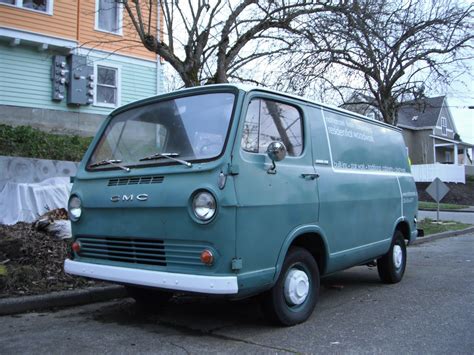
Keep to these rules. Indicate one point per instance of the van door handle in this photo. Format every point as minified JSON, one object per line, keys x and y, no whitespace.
{"x":310,"y":176}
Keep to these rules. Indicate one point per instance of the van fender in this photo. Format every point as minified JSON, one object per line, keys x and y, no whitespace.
{"x":295,"y":233}
{"x":411,"y":235}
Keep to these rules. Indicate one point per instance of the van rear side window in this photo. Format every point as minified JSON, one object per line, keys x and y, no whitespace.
{"x":269,"y":121}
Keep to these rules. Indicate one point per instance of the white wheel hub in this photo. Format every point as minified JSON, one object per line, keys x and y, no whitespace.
{"x":296,"y":287}
{"x":397,"y":256}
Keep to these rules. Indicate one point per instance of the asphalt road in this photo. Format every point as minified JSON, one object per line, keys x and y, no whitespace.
{"x":463,"y":217}
{"x":430,"y":312}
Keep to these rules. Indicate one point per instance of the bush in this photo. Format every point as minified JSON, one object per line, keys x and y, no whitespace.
{"x":24,"y":141}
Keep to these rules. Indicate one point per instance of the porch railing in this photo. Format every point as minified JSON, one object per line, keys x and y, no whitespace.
{"x":446,"y":172}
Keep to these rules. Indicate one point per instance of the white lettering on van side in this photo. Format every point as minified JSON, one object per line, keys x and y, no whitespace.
{"x":369,"y":167}
{"x":350,"y":129}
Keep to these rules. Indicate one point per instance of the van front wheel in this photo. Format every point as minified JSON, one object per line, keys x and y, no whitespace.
{"x":293,"y":298}
{"x":391,"y":266}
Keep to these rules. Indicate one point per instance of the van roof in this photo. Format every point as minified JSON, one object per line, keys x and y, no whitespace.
{"x":249,"y":88}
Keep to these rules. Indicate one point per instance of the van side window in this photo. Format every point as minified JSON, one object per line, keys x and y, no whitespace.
{"x":269,"y":121}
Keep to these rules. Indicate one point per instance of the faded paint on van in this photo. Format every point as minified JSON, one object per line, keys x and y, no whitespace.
{"x":344,"y":196}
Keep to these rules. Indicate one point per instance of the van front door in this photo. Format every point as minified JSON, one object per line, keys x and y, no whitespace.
{"x":272,"y":204}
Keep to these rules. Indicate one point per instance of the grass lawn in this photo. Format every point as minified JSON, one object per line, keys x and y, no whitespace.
{"x":432,"y":227}
{"x":423,"y":205}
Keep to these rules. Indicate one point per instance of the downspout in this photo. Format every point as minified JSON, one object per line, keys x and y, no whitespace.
{"x":158,"y":38}
{"x":78,"y":18}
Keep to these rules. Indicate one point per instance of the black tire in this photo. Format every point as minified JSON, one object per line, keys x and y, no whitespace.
{"x":390,"y":267}
{"x":275,"y":303}
{"x":147,"y":298}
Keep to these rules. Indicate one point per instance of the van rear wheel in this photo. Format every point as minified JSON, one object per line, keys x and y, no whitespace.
{"x":391,"y":266}
{"x":293,"y":298}
{"x":148,"y":298}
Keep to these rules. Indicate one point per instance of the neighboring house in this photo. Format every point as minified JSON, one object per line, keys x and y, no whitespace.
{"x":64,"y":65}
{"x":430,"y":133}
{"x":427,"y":127}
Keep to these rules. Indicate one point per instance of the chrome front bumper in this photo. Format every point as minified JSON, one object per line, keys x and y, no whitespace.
{"x":172,"y":281}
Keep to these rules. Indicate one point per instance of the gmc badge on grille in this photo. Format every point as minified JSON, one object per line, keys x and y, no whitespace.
{"x":140,"y":197}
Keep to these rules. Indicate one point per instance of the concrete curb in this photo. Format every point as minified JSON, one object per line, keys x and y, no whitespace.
{"x":22,"y":304}
{"x":431,"y":237}
{"x":457,"y":211}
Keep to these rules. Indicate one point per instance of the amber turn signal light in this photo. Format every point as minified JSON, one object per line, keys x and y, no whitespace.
{"x":76,"y":247}
{"x":207,"y":257}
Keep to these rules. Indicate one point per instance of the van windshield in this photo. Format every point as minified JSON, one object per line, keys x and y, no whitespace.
{"x":191,"y":128}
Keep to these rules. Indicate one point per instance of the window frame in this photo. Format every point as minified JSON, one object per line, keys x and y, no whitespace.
{"x":19,"y":5}
{"x":165,"y":163}
{"x":444,"y":126}
{"x":279,"y":101}
{"x":120,"y":20}
{"x":118,"y":83}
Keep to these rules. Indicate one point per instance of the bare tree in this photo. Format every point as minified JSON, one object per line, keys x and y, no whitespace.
{"x":210,"y":41}
{"x":390,"y":48}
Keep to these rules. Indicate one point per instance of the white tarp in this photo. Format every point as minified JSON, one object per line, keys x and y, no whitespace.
{"x":25,"y":202}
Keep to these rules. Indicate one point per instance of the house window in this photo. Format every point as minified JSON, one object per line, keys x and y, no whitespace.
{"x":108,"y":16}
{"x":269,"y":121}
{"x":444,"y":126}
{"x":107,"y":88}
{"x":45,"y":6}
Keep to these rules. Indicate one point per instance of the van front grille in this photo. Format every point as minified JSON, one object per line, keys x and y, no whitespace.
{"x":128,"y":250}
{"x":140,"y":180}
{"x":146,"y":251}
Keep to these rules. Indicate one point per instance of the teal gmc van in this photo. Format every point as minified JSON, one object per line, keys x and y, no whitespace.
{"x":239,"y":191}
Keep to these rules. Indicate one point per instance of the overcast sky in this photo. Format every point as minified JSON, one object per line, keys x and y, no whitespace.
{"x":459,"y":98}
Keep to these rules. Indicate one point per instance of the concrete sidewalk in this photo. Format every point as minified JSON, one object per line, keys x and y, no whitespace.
{"x":462,"y":217}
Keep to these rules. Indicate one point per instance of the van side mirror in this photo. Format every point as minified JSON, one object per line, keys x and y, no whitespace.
{"x":276,"y":151}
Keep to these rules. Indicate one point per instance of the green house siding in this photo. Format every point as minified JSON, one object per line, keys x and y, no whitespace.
{"x":25,"y":79}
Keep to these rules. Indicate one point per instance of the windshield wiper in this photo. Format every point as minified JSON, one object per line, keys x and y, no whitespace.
{"x":114,"y":162}
{"x":169,"y":156}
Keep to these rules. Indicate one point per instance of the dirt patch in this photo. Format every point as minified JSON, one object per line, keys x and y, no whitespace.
{"x":32,"y":262}
{"x":459,"y":194}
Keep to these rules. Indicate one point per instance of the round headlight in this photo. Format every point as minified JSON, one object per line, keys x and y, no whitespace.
{"x":204,"y":205}
{"x":74,"y":208}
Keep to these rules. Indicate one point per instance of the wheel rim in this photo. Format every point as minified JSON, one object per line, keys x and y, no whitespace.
{"x":397,"y":256}
{"x":297,"y":287}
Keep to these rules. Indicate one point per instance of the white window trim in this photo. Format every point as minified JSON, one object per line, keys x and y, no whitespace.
{"x":19,"y":4}
{"x":119,"y":84}
{"x":120,"y":24}
{"x":447,"y":129}
{"x":444,"y":124}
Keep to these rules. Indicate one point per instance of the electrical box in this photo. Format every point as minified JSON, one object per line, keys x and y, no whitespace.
{"x":59,"y":77}
{"x":72,"y":77}
{"x":81,"y":81}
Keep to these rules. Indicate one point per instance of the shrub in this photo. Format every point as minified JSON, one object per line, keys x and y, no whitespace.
{"x":24,"y":141}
